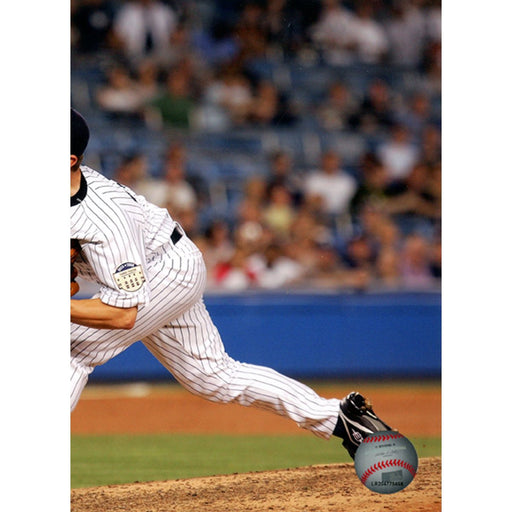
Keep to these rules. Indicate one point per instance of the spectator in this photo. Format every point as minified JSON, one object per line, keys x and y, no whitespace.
{"x":333,"y":33}
{"x":255,"y":191}
{"x":179,"y":193}
{"x":434,"y":186}
{"x":218,"y":47}
{"x":146,"y":83}
{"x":307,"y":233}
{"x":283,"y":173}
{"x":270,"y":107}
{"x":92,"y":23}
{"x":433,"y":20}
{"x":174,"y":107}
{"x":373,"y":186}
{"x":383,"y":237}
{"x":376,"y":111}
{"x":432,"y":76}
{"x":144,"y":29}
{"x":218,"y":248}
{"x":399,"y":154}
{"x":133,"y":172}
{"x":119,"y":97}
{"x":231,"y":92}
{"x":349,"y":271}
{"x":370,"y":39}
{"x":278,"y":269}
{"x":328,"y":270}
{"x":250,"y":232}
{"x":386,"y":235}
{"x":275,"y":21}
{"x":173,"y":191}
{"x":430,"y":145}
{"x":387,"y":268}
{"x":436,"y":257}
{"x":189,"y":220}
{"x":406,"y":33}
{"x":330,"y":188}
{"x":279,"y":213}
{"x":251,"y":236}
{"x":337,"y":109}
{"x":250,"y":31}
{"x":412,"y":203}
{"x":415,"y":263}
{"x":359,"y":254}
{"x":417,"y":115}
{"x":282,"y":26}
{"x":180,"y":49}
{"x":306,"y":13}
{"x":235,"y":274}
{"x":372,"y":219}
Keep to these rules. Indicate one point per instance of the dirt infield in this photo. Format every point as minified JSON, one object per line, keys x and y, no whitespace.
{"x":414,"y":409}
{"x":330,"y":488}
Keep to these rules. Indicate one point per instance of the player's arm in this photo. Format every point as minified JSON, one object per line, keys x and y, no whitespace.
{"x":97,"y":314}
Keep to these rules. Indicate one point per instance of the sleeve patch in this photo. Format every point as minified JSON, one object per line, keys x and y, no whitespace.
{"x":129,"y":277}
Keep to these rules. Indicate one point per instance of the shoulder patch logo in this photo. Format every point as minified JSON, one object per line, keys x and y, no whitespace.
{"x":129,"y":277}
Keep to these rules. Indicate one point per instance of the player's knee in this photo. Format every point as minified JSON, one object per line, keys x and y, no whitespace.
{"x":216,"y":383}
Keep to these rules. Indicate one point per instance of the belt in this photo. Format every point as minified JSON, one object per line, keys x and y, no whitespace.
{"x":176,"y":236}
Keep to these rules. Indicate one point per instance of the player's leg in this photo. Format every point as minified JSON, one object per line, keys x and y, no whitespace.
{"x":93,"y":347}
{"x":176,"y":280}
{"x":192,"y":350}
{"x":79,"y":377}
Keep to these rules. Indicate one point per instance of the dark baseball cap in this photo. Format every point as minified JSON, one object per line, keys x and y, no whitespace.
{"x":79,"y":133}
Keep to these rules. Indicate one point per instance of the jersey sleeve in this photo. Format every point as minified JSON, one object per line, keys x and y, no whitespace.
{"x":116,"y":257}
{"x":110,"y":223}
{"x":120,"y":270}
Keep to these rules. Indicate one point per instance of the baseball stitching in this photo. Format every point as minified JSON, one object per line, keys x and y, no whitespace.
{"x":387,"y":464}
{"x":379,"y":438}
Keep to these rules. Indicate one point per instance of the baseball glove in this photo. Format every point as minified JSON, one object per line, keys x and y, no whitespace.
{"x":75,"y":251}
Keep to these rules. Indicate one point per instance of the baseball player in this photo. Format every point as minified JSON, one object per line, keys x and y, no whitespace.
{"x":151,"y":280}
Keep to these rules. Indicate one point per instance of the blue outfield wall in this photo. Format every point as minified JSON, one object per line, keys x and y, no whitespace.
{"x":315,"y":336}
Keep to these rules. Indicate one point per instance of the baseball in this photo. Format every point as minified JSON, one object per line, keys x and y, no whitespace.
{"x":386,"y":462}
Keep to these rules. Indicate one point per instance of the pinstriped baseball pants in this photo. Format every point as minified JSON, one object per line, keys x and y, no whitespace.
{"x":177,"y":329}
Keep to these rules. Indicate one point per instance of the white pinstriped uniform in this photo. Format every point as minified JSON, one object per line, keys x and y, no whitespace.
{"x":115,"y":227}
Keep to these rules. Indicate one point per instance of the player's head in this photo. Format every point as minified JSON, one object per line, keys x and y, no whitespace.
{"x":79,"y":137}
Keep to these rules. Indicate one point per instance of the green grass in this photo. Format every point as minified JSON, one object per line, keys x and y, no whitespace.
{"x":116,"y":459}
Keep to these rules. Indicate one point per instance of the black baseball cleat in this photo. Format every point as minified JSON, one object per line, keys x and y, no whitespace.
{"x":356,"y":420}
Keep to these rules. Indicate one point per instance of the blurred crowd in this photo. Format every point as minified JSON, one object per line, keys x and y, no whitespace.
{"x":186,"y":65}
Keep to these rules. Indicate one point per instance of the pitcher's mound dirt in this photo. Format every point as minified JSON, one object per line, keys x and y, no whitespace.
{"x":321,"y":488}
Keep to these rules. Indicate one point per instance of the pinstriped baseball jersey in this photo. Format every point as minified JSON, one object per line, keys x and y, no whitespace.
{"x":139,"y":256}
